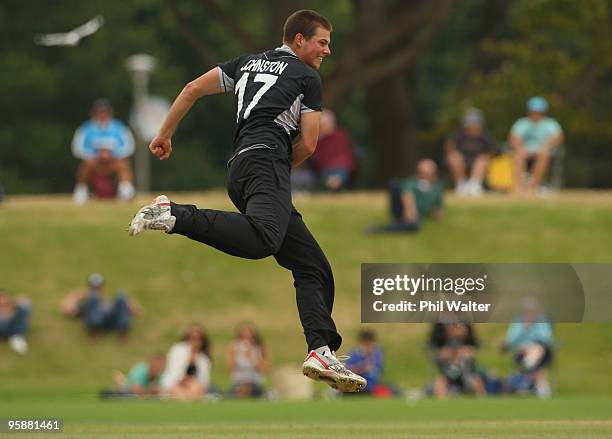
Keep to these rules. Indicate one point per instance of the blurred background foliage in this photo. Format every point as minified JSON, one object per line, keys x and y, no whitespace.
{"x":400,"y":76}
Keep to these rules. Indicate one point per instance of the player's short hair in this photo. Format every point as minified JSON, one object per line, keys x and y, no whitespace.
{"x":305,"y":22}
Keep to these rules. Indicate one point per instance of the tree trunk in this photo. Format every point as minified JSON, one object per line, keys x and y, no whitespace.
{"x":389,"y":105}
{"x":390,"y":108}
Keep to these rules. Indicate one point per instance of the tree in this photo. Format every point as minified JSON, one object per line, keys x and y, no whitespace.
{"x":561,"y":50}
{"x":400,"y":74}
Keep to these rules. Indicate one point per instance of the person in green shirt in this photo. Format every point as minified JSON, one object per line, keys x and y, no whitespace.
{"x":143,"y":379}
{"x":414,"y":199}
{"x":534,"y":138}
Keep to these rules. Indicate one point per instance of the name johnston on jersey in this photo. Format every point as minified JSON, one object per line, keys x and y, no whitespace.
{"x":260,"y":65}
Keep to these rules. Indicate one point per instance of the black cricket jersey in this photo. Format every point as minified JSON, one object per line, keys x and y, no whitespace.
{"x":272,"y":89}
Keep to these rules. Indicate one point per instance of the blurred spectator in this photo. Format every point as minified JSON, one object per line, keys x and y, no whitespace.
{"x":303,"y":178}
{"x":103,"y":145}
{"x":534,"y":139}
{"x":14,"y":321}
{"x":468,"y":152}
{"x":99,"y":314}
{"x":187,"y":373}
{"x":530,"y":340}
{"x":367,"y":360}
{"x":143,"y":379}
{"x":333,"y":160}
{"x":454,"y":345}
{"x":2,"y":193}
{"x":247,"y":361}
{"x":413,"y":199}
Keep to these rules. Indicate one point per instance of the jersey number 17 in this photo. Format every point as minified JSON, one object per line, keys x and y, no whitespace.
{"x":267,"y":80}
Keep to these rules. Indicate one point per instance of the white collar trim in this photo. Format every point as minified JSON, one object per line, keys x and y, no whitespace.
{"x":286,"y":48}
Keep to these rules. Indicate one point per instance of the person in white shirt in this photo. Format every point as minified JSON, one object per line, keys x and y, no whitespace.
{"x":188,"y":365}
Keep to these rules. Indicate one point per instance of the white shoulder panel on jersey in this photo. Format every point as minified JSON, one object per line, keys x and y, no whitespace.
{"x":290,"y":118}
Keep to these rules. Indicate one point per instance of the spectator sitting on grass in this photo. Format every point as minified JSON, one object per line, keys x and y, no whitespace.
{"x":334,"y":159}
{"x":187,"y":373}
{"x":98,"y":314}
{"x":413,"y":199}
{"x":142,"y":380}
{"x":247,"y":362}
{"x":530,"y":340}
{"x":14,"y":321}
{"x":367,"y":360}
{"x":454,"y":351}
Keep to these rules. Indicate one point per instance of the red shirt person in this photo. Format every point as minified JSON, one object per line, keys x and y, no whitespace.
{"x":333,"y":160}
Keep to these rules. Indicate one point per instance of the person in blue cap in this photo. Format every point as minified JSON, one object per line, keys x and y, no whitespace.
{"x":533,"y":139}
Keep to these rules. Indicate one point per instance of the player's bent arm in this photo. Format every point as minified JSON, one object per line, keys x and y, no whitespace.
{"x":309,"y":127}
{"x":207,"y":84}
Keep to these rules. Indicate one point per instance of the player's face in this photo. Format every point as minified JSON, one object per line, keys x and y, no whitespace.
{"x":314,"y":49}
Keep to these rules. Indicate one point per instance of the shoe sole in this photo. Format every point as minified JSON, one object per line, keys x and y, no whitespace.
{"x":343,"y":384}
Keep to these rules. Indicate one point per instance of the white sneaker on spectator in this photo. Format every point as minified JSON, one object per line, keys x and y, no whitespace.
{"x":543,"y":390}
{"x":81,"y":194}
{"x":474,"y":188}
{"x":462,"y":189}
{"x":18,"y":344}
{"x":125,"y":190}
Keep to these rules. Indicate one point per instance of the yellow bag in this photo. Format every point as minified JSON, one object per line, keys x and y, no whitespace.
{"x":500,"y":176}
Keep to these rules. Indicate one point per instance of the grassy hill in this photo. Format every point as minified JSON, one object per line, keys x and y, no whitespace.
{"x":49,"y":246}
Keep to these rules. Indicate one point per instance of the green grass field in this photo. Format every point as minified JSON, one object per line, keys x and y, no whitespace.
{"x":562,"y":417}
{"x":49,"y":246}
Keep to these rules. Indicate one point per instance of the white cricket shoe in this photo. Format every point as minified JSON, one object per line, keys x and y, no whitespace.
{"x":155,"y":216}
{"x":330,"y":370}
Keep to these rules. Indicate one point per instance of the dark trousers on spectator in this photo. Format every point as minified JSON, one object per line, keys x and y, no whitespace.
{"x":269,"y":225}
{"x":99,"y":316}
{"x":398,"y":224}
{"x":17,"y":324}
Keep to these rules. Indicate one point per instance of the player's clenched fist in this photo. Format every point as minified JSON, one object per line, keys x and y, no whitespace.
{"x":161,"y":147}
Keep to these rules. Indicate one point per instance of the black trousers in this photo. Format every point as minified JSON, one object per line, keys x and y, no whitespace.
{"x":269,"y":225}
